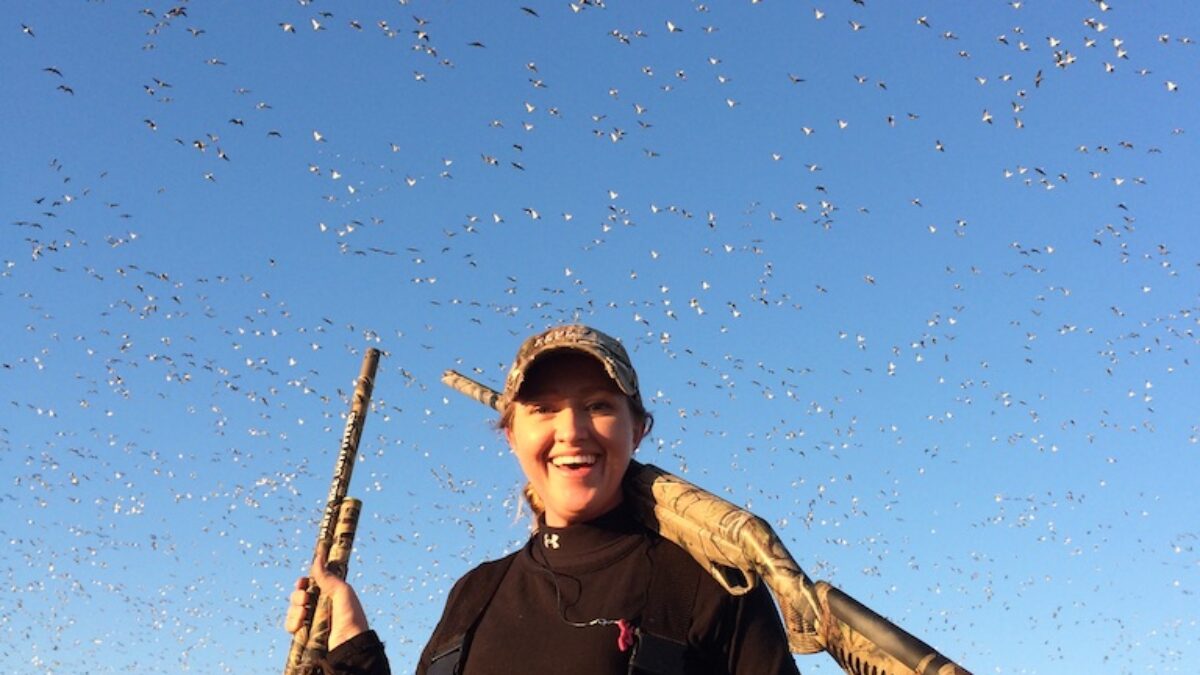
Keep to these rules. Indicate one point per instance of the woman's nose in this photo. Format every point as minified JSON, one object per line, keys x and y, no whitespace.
{"x":571,"y":424}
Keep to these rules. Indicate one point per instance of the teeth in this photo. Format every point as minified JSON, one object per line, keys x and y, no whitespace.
{"x":574,"y":460}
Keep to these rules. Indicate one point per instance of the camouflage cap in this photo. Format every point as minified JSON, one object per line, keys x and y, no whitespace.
{"x":574,"y":337}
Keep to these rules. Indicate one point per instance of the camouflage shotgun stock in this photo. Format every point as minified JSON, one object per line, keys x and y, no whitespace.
{"x":335,"y":534}
{"x":738,"y":548}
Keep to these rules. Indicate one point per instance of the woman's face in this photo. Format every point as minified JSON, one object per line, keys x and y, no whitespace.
{"x":573,"y":433}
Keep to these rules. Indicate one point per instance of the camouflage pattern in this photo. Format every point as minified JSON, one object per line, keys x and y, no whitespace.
{"x":468,"y":387}
{"x":338,"y":563}
{"x":311,"y":641}
{"x":738,"y":549}
{"x":575,"y":337}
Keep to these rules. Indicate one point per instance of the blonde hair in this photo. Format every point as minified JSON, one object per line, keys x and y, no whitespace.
{"x":534,"y":501}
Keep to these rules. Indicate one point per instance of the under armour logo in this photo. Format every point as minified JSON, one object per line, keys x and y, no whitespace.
{"x":550,"y":540}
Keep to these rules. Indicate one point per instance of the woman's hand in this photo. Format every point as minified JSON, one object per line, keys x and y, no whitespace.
{"x":347,"y":618}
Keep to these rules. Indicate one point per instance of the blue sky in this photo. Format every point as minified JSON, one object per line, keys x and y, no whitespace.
{"x":951,"y":360}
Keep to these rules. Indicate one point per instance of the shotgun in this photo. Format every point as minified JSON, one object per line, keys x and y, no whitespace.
{"x":738,"y":548}
{"x":335,"y":534}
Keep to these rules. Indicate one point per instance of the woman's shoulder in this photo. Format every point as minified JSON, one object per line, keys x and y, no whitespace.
{"x":484,"y":575}
{"x":681,"y":564}
{"x":711,"y":598}
{"x":465,"y":603}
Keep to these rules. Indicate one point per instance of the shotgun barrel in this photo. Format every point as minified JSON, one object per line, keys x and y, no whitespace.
{"x":311,"y":641}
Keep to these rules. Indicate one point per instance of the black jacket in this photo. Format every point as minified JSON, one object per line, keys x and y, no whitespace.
{"x":551,"y":608}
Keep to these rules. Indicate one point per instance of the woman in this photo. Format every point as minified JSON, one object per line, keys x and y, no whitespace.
{"x":592,"y":591}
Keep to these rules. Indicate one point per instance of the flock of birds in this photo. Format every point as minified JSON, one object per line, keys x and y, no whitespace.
{"x":881,"y":287}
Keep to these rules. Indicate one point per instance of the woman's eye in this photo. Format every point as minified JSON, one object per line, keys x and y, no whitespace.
{"x":600,"y":406}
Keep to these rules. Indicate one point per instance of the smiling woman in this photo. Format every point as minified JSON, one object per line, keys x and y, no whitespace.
{"x":593,"y":591}
{"x":573,"y":432}
{"x":573,"y":416}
